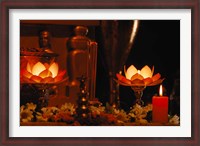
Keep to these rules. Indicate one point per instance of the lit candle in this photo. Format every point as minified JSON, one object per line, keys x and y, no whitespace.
{"x":160,"y":107}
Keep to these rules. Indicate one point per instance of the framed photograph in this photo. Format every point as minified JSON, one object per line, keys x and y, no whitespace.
{"x":39,"y":44}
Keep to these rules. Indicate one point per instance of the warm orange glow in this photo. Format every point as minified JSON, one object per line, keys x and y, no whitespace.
{"x":41,"y":70}
{"x":43,"y":73}
{"x":144,"y":77}
{"x":28,"y":68}
{"x":83,"y":107}
{"x":145,"y":72}
{"x":54,"y":69}
{"x":38,"y":68}
{"x":130,"y":71}
{"x":161,"y":91}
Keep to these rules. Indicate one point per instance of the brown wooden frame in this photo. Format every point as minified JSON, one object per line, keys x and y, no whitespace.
{"x":89,"y":4}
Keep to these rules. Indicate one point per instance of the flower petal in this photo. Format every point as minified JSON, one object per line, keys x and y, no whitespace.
{"x":38,"y":68}
{"x":130,"y":72}
{"x":119,"y":76}
{"x":25,"y":73}
{"x":60,"y":75}
{"x":54,"y":69}
{"x":138,"y":82}
{"x":159,"y":81}
{"x":36,"y":79}
{"x":123,"y":79}
{"x":152,"y":71}
{"x":47,"y":80}
{"x":28,"y":67}
{"x":146,"y":72}
{"x":156,"y":77}
{"x":58,"y":78}
{"x":45,"y":73}
{"x":25,"y":80}
{"x":125,"y":72}
{"x":147,"y":81}
{"x":122,"y":83}
{"x":137,"y":76}
{"x":46,"y":65}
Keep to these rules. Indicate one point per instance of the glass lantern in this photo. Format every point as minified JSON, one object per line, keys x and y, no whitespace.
{"x":39,"y":73}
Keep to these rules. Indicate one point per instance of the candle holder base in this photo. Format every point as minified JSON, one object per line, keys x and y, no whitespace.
{"x":138,"y":91}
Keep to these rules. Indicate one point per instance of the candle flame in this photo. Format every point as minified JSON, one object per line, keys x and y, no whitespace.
{"x":161,"y":91}
{"x":138,"y":71}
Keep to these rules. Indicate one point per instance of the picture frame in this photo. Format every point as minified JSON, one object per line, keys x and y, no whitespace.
{"x":89,"y":4}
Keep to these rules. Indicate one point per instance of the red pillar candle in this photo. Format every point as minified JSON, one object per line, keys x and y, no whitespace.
{"x":160,"y":108}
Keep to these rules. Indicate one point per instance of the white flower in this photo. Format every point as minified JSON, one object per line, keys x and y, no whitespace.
{"x":54,"y":109}
{"x":25,"y":114}
{"x":148,"y":108}
{"x":49,"y":111}
{"x":121,"y":115}
{"x":31,"y":106}
{"x":139,"y":113}
{"x":136,"y":111}
{"x":143,"y":121}
{"x":68,"y":108}
{"x":22,"y":108}
{"x":41,"y":118}
{"x":97,"y":110}
{"x":174,"y":120}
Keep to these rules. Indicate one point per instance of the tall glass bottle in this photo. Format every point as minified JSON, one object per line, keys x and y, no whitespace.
{"x":81,"y":61}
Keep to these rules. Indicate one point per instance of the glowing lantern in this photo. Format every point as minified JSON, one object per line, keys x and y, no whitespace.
{"x":143,"y":77}
{"x":42,"y":73}
{"x":138,"y":80}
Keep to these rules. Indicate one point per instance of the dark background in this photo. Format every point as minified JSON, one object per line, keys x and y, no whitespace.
{"x":157,"y":44}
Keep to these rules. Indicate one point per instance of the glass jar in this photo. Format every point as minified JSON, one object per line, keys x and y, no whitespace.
{"x":81,"y":61}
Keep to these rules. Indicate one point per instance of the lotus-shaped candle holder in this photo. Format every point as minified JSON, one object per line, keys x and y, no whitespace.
{"x":40,"y":73}
{"x":43,"y":77}
{"x":138,"y":80}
